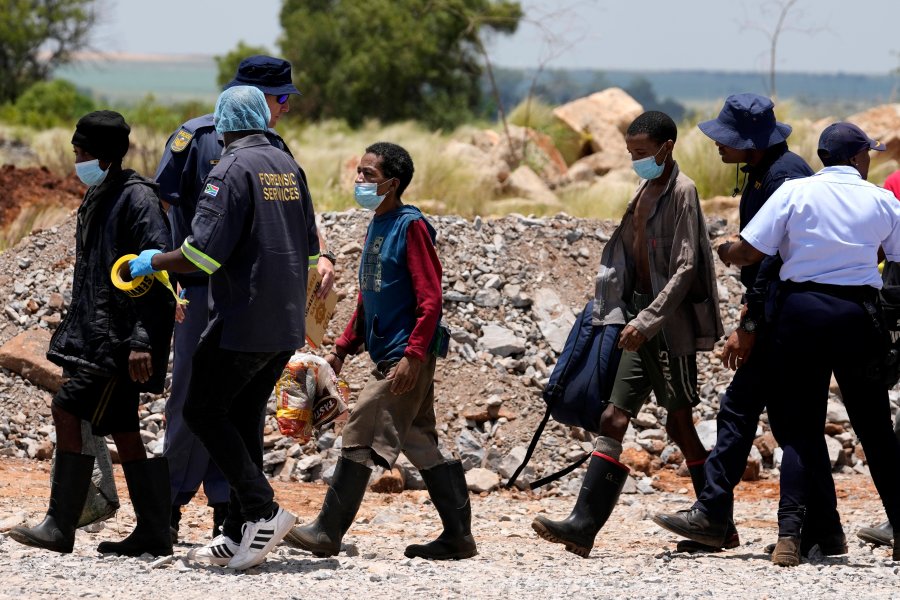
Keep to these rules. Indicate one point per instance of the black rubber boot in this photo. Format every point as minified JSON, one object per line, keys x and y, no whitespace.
{"x":323,"y":536}
{"x":599,"y":493}
{"x":68,"y":491}
{"x":148,"y":487}
{"x":449,"y":493}
{"x":220,"y":512}
{"x":882,"y":535}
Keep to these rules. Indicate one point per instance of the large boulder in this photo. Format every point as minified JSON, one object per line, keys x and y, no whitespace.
{"x":527,"y":146}
{"x":603,"y":117}
{"x":25,"y":354}
{"x":484,"y":167}
{"x":882,"y":123}
{"x":525,"y":183}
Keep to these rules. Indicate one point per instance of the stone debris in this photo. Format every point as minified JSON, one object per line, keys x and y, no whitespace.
{"x":512,"y":288}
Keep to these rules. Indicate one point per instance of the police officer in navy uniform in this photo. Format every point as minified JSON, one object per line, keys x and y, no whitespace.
{"x":253,"y":230}
{"x":190,"y":155}
{"x":828,"y":229}
{"x":746,"y":131}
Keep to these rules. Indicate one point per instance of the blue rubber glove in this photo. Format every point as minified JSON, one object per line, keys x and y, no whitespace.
{"x":141,"y":265}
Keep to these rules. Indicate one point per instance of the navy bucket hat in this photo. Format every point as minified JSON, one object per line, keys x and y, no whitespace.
{"x":746,"y":122}
{"x":268,"y":74}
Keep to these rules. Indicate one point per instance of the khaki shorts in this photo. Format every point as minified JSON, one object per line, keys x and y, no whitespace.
{"x":672,"y":379}
{"x":390,"y":424}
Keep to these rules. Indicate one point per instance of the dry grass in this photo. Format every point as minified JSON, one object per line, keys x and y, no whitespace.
{"x":329,"y":151}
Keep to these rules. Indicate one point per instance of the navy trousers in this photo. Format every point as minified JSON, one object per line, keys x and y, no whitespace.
{"x":226,"y":407}
{"x":820,"y":331}
{"x":189,"y":462}
{"x":739,"y":410}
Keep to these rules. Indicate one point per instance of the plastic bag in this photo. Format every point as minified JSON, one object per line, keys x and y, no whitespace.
{"x":308,"y":395}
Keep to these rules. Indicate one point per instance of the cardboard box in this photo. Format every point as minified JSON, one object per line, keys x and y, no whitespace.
{"x":318,"y":310}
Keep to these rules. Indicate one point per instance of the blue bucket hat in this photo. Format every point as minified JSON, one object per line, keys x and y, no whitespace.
{"x":268,"y":74}
{"x":842,"y":141}
{"x":746,"y":122}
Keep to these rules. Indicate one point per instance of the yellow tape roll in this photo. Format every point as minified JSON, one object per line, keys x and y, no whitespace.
{"x":141,"y":284}
{"x":136,"y":287}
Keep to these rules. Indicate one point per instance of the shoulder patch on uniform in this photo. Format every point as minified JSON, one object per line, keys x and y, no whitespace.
{"x":211,"y":190}
{"x":181,"y":141}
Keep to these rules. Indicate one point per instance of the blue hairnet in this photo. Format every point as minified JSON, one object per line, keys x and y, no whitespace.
{"x":241,"y":108}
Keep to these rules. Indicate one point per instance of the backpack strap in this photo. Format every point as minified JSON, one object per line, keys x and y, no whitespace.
{"x":531,"y":447}
{"x":561,"y":473}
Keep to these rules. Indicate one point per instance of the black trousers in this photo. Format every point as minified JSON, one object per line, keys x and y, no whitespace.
{"x":739,"y":410}
{"x":818,"y":332}
{"x":225,"y":409}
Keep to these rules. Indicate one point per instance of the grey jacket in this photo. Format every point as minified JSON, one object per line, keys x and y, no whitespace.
{"x":685,"y":307}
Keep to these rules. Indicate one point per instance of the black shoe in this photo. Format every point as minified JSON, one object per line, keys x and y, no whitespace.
{"x":732,"y":540}
{"x":323,"y":536}
{"x":599,"y":493}
{"x":449,"y":493}
{"x":882,"y":535}
{"x":696,"y":525}
{"x":68,"y":491}
{"x":148,"y":487}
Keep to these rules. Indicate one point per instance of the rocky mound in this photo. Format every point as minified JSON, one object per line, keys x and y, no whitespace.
{"x":512,"y":287}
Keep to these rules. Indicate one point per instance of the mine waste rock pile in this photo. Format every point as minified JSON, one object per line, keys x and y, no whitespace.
{"x":512,"y":288}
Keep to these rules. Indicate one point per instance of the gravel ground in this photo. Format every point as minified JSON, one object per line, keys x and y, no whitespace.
{"x":632,"y":558}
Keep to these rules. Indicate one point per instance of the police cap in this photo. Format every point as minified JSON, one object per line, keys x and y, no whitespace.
{"x":270,"y":75}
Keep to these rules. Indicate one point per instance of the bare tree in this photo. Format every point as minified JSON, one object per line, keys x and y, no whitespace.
{"x":554,"y":43}
{"x":787,"y":14}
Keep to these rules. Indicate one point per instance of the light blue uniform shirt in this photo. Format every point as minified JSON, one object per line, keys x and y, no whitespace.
{"x":828,"y":228}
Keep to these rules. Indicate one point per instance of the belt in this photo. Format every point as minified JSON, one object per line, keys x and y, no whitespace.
{"x":853,"y":293}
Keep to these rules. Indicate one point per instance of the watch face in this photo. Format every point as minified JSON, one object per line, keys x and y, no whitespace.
{"x":748,"y":325}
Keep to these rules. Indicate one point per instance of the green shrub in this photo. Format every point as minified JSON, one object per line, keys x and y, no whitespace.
{"x":163,"y":118}
{"x":48,"y":104}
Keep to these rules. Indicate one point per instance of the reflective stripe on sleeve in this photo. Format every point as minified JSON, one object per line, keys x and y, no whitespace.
{"x":313,"y":260}
{"x":200,"y":260}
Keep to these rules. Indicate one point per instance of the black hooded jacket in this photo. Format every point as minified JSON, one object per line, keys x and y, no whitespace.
{"x":122,"y":215}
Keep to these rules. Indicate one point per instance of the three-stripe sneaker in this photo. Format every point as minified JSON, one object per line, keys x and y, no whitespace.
{"x":260,"y":537}
{"x":218,"y":552}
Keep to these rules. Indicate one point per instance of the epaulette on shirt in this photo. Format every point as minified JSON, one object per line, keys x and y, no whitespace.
{"x":186,"y":133}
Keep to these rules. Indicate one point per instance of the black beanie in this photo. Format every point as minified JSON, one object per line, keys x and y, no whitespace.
{"x":102,"y":134}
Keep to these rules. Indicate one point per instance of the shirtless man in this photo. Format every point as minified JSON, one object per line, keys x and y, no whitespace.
{"x":656,"y":277}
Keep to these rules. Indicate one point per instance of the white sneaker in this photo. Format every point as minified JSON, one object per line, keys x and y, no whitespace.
{"x":260,"y":537}
{"x":218,"y":552}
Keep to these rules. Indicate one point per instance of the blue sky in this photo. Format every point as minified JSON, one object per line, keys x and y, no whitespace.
{"x":825,"y":36}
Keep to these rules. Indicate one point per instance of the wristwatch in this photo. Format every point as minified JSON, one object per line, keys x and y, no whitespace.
{"x":330,"y":256}
{"x":748,"y":324}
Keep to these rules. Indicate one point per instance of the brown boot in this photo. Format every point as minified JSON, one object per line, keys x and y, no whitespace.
{"x":787,"y":552}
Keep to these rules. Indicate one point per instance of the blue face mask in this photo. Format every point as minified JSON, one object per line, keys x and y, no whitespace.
{"x":90,"y":173}
{"x":646,"y":168}
{"x":366,"y":195}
